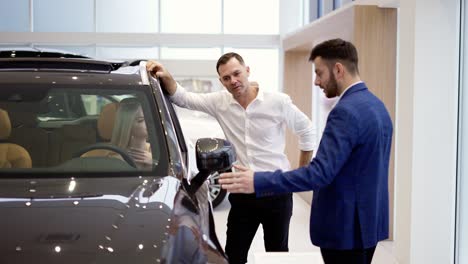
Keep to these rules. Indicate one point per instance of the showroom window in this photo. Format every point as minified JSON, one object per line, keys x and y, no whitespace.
{"x":314,"y":9}
{"x":63,"y":16}
{"x":14,"y":16}
{"x":139,"y":16}
{"x":251,"y":16}
{"x":127,"y":53}
{"x":175,"y":31}
{"x":188,"y":16}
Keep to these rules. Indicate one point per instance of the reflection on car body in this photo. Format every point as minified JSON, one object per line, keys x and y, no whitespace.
{"x":72,"y":196}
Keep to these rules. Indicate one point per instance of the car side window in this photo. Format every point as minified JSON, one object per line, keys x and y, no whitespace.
{"x":175,"y":120}
{"x":176,"y":143}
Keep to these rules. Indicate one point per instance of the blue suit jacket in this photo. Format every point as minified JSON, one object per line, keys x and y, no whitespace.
{"x":349,"y":175}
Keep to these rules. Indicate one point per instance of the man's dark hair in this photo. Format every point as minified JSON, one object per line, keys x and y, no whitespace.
{"x":337,"y":50}
{"x":226,"y":57}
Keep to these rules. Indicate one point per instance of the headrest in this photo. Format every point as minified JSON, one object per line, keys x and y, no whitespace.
{"x":5,"y":125}
{"x":106,"y":120}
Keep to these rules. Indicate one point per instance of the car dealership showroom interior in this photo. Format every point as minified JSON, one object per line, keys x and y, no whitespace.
{"x":234,"y":131}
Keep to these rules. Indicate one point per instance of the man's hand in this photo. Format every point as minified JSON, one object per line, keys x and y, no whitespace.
{"x":158,"y":70}
{"x":241,"y":181}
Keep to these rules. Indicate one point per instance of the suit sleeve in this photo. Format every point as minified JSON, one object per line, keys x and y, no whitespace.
{"x":338,"y":140}
{"x":195,"y":101}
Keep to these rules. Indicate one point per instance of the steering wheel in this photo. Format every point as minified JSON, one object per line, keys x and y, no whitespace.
{"x":113,"y":148}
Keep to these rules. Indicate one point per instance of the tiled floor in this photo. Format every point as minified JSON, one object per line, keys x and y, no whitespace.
{"x":300,"y":247}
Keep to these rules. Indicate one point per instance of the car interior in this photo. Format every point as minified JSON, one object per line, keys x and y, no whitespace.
{"x":70,"y":129}
{"x":11,"y":155}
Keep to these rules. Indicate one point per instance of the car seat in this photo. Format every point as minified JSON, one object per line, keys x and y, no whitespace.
{"x":105,"y":125}
{"x":26,"y":133}
{"x":11,"y":155}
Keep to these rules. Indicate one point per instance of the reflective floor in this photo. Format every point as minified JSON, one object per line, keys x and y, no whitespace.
{"x":301,"y":249}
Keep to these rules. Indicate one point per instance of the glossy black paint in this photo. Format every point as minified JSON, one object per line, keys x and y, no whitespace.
{"x":111,"y":220}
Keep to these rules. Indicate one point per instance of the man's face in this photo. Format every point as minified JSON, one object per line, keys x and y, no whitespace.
{"x":235,"y":77}
{"x":325,"y":78}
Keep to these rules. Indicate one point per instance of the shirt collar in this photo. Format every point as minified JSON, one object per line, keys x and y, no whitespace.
{"x":260,"y":97}
{"x":344,"y":91}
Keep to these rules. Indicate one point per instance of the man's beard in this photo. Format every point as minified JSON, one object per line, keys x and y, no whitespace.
{"x":332,"y":87}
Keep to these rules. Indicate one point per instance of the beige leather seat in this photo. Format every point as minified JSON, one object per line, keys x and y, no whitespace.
{"x":105,"y":125}
{"x":11,"y":155}
{"x":26,"y":133}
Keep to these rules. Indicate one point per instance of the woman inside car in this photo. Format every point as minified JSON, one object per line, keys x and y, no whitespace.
{"x":130,"y":133}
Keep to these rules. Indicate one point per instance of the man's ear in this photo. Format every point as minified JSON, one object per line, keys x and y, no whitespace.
{"x":338,"y":70}
{"x":247,"y":69}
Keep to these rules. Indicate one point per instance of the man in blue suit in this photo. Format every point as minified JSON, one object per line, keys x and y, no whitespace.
{"x":349,"y":175}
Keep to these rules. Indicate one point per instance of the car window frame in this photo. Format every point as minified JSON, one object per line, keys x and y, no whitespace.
{"x":176,"y":141}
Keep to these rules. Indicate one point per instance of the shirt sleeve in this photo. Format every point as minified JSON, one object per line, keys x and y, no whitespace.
{"x":300,"y":124}
{"x":196,"y":101}
{"x":338,"y":140}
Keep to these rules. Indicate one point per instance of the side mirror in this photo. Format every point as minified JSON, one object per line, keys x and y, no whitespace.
{"x":214,"y":154}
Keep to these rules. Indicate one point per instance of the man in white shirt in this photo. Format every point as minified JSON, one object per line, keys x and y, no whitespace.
{"x":254,"y":121}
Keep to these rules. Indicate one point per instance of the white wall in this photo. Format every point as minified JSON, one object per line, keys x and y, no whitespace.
{"x":426,"y":131}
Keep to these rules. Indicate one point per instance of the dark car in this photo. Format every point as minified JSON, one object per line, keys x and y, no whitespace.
{"x":94,"y":167}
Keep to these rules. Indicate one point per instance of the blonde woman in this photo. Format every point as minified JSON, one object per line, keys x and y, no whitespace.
{"x":130,"y":132}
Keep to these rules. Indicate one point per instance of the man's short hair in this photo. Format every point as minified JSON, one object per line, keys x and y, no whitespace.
{"x":226,"y":57}
{"x":337,"y":50}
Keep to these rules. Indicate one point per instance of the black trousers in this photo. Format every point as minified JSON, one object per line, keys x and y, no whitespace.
{"x":353,"y":256}
{"x":247,"y":213}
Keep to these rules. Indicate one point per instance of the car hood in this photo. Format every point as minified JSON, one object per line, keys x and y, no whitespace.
{"x":106,"y":220}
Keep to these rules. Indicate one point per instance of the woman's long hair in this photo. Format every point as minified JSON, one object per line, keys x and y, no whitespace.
{"x":124,"y":119}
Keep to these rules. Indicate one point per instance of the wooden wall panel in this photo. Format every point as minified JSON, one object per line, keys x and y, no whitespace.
{"x":375,"y":31}
{"x":298,"y":84}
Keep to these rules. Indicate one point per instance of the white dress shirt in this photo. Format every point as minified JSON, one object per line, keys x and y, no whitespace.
{"x":258,"y":132}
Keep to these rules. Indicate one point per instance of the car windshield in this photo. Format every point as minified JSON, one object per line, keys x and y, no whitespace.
{"x":83,"y":128}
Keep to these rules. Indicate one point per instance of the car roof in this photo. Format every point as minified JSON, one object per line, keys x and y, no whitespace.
{"x":11,"y":52}
{"x":16,"y":66}
{"x":69,"y":78}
